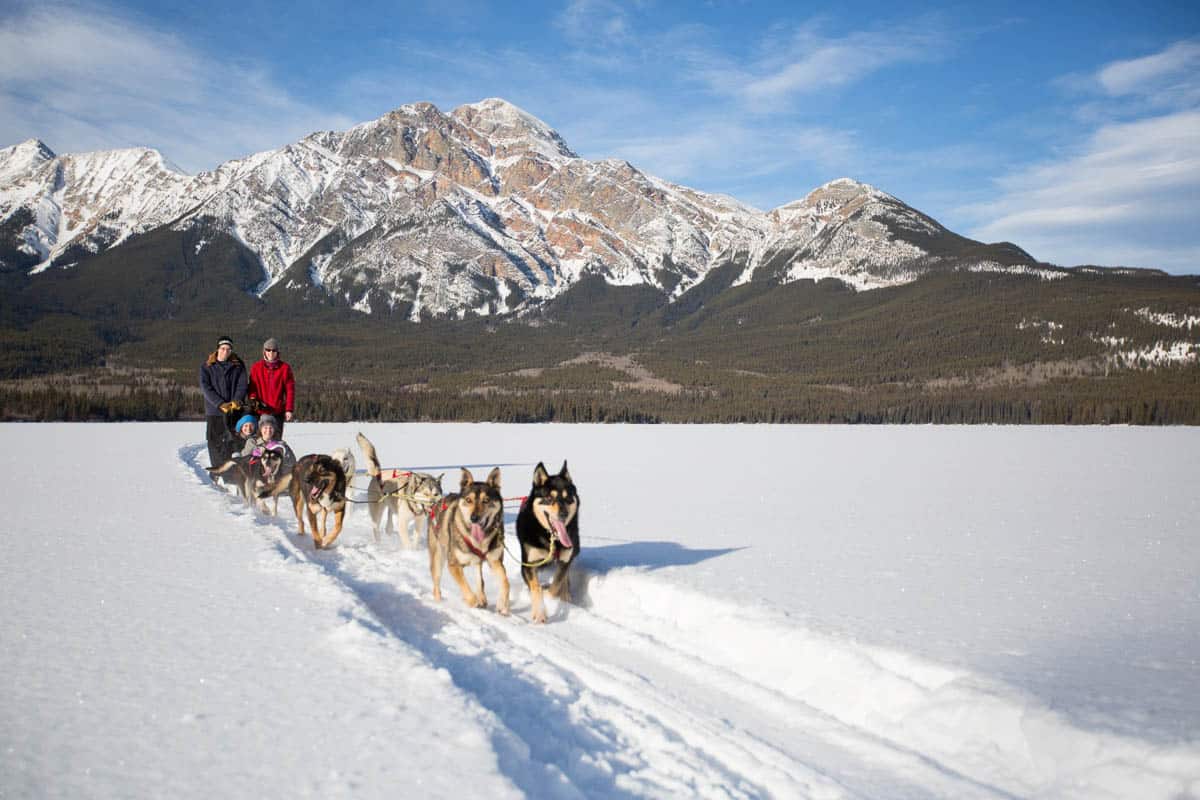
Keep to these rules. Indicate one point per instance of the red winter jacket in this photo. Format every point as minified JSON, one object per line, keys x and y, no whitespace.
{"x":274,"y":386}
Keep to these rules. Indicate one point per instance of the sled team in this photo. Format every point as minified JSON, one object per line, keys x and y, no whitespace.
{"x":245,"y":415}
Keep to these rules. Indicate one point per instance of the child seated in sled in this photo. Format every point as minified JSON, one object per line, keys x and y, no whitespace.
{"x":266,"y":438}
{"x":244,"y":432}
{"x":246,"y":429}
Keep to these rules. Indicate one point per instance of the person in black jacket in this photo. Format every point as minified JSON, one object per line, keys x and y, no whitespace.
{"x":223,"y":382}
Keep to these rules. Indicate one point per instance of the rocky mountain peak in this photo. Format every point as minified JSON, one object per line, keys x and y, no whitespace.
{"x":481,"y":210}
{"x":31,"y":147}
{"x":839,"y":193}
{"x":506,"y":125}
{"x":23,"y":158}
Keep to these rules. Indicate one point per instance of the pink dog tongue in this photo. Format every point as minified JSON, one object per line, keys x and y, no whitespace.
{"x":477,"y":532}
{"x":561,"y":530}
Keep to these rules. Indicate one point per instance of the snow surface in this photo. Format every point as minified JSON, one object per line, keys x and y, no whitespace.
{"x":761,"y":611}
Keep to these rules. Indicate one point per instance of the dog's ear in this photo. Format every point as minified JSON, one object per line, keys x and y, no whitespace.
{"x":540,"y":476}
{"x":562,"y":473}
{"x":439,"y":482}
{"x":466,"y":481}
{"x":493,"y":478}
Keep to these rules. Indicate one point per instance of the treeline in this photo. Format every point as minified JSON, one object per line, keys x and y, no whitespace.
{"x":950,"y":349}
{"x":1167,"y":399}
{"x":47,"y":404}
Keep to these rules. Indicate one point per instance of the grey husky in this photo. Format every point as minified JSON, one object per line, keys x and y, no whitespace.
{"x":406,"y":496}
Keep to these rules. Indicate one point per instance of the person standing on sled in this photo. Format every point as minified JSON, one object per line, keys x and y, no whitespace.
{"x":223,"y":382}
{"x":273,"y":385}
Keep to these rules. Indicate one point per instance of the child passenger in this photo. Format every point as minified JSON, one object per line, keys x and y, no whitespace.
{"x":266,"y":437}
{"x":246,"y":428}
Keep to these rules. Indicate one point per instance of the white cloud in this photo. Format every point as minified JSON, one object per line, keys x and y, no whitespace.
{"x":826,"y":63}
{"x":803,"y":61}
{"x":84,"y":79}
{"x":1178,"y":63}
{"x":1129,"y":195}
{"x":595,"y":22}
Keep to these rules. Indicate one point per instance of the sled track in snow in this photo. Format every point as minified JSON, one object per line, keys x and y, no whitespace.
{"x":649,"y":690}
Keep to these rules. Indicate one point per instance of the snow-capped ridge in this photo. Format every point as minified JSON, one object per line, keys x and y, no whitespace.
{"x":533,"y":215}
{"x":30,"y":148}
{"x":22,"y":158}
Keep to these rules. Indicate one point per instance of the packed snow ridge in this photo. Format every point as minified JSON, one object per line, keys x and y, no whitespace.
{"x":483,"y":209}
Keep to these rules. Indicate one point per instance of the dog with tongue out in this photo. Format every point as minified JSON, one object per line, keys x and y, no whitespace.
{"x":469,"y":530}
{"x":548,"y":527}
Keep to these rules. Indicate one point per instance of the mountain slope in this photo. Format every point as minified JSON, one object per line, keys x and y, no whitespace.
{"x":484,"y":210}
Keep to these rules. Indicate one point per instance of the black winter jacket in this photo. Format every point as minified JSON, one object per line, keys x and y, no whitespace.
{"x":222,"y":381}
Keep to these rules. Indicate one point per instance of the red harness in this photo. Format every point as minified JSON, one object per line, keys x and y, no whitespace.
{"x":481,"y":555}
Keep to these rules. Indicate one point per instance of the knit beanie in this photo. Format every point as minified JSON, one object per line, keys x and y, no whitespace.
{"x":224,"y":340}
{"x":267,"y":418}
{"x":248,"y":418}
{"x":271,"y":344}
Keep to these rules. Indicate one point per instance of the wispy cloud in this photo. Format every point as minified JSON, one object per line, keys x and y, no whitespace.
{"x":1128,"y":195}
{"x":1173,"y":74}
{"x":790,"y":64}
{"x":84,"y":78}
{"x":816,"y":63}
{"x":596,"y":23}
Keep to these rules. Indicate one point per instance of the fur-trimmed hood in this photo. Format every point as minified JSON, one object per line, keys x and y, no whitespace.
{"x":212,"y":359}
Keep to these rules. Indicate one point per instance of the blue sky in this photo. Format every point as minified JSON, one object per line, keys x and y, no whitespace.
{"x":1073,"y":131}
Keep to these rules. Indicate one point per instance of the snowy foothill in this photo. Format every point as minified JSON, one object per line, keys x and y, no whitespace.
{"x":760,"y":611}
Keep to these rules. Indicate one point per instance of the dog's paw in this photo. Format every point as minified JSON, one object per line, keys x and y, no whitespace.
{"x":539,"y":617}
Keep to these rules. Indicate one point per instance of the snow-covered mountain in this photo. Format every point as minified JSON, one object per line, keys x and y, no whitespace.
{"x":482,"y":210}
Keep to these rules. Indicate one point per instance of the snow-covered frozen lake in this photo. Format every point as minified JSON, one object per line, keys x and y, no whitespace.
{"x":762,"y":611}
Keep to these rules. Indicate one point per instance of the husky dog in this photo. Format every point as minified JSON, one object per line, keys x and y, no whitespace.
{"x":346,"y":458}
{"x":258,"y":475}
{"x":318,"y":484}
{"x":548,"y":529}
{"x":405,"y":496}
{"x":470,"y":530}
{"x":273,"y":475}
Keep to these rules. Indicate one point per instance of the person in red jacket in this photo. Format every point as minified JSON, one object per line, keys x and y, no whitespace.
{"x":273,"y":385}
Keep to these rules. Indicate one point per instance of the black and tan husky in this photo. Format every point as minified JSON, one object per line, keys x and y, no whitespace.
{"x":318,"y":485}
{"x":548,"y":527}
{"x":470,"y":530}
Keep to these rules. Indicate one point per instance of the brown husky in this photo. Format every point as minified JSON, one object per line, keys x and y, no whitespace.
{"x":319,"y":485}
{"x":470,"y":530}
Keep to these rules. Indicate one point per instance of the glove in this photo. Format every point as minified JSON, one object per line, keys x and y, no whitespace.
{"x":232,"y":405}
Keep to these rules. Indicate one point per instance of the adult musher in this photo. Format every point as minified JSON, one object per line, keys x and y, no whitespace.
{"x":223,"y":383}
{"x":273,"y":385}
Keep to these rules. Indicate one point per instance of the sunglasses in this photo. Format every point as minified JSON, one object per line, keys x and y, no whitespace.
{"x":270,"y":350}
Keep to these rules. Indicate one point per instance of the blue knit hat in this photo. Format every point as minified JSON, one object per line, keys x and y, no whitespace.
{"x":248,"y":418}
